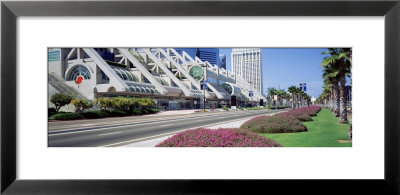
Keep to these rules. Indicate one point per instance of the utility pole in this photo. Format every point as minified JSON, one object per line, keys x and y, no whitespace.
{"x":204,"y":85}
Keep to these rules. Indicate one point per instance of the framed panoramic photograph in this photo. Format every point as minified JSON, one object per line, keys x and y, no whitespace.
{"x":244,"y":97}
{"x":145,"y":97}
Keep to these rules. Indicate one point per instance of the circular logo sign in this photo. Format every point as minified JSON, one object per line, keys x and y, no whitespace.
{"x":196,"y":72}
{"x":79,"y":79}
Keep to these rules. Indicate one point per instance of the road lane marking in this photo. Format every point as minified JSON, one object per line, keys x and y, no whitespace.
{"x":126,"y":119}
{"x":55,"y":132}
{"x":165,"y":134}
{"x":166,"y":125}
{"x":110,"y":133}
{"x":88,"y":124}
{"x":122,"y":119}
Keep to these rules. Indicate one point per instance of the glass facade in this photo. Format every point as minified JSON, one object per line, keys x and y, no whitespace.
{"x":205,"y":54}
{"x":222,"y":61}
{"x":77,"y":71}
{"x":208,"y":54}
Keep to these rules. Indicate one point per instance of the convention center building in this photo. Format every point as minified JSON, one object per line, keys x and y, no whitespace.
{"x":174,"y":79}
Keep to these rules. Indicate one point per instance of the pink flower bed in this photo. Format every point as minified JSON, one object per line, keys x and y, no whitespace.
{"x":274,"y":124}
{"x":311,"y":110}
{"x":299,"y":115}
{"x":229,"y":137}
{"x":303,"y":114}
{"x":287,"y":122}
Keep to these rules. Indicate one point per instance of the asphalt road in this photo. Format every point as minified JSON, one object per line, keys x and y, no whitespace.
{"x":111,"y":132}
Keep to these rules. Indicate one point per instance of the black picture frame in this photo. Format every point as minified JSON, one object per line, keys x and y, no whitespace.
{"x":10,"y":10}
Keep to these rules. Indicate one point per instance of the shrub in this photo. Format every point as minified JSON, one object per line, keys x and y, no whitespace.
{"x":60,"y":100}
{"x":121,"y":103}
{"x":81,"y":105}
{"x":66,"y":116}
{"x":311,"y":110}
{"x":229,"y":137}
{"x":274,"y":124}
{"x":278,"y":107}
{"x":103,"y":102}
{"x":225,"y":108}
{"x":152,"y":110}
{"x":301,"y":116}
{"x":254,"y":108}
{"x":137,"y":112}
{"x":51,"y":111}
{"x":145,"y":112}
{"x":95,"y":114}
{"x":115,"y":112}
{"x":125,"y":103}
{"x":146,"y":103}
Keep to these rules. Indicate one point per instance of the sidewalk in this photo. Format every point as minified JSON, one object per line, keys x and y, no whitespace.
{"x":178,"y":112}
{"x":154,"y":142}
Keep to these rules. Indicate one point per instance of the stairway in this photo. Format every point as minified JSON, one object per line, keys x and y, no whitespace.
{"x":59,"y":84}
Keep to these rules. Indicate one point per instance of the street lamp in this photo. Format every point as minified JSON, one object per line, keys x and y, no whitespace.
{"x":251,"y":97}
{"x":204,"y":66}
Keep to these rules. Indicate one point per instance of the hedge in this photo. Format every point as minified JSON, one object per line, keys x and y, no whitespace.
{"x":274,"y":124}
{"x":66,"y":116}
{"x":287,"y":122}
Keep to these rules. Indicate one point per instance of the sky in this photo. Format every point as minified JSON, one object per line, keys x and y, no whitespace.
{"x":284,"y":67}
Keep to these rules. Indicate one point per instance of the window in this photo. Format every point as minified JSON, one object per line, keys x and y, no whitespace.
{"x":77,"y":71}
{"x":161,"y":80}
{"x":125,"y":75}
{"x":104,"y":76}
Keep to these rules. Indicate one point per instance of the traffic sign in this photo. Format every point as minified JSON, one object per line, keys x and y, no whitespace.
{"x":205,"y":84}
{"x":251,"y":93}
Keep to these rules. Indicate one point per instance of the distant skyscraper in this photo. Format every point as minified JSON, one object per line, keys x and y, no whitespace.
{"x":222,"y":61}
{"x":205,"y":54}
{"x":247,"y":63}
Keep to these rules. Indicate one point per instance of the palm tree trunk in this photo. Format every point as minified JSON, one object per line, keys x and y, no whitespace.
{"x":292,"y":103}
{"x":351,"y":132}
{"x":337,"y":100}
{"x":343,"y":101}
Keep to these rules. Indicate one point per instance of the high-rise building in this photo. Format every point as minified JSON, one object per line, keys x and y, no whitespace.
{"x":222,"y":61}
{"x":208,"y":54}
{"x":247,"y":63}
{"x":205,"y":54}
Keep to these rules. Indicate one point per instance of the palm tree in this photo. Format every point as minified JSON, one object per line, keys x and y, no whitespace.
{"x":331,"y":78}
{"x":322,"y":99}
{"x":341,"y":57}
{"x":271,"y":93}
{"x":292,"y":90}
{"x":281,"y":95}
{"x":303,"y":96}
{"x":298,"y":96}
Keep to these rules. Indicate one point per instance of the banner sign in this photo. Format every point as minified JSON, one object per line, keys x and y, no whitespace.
{"x":54,"y":56}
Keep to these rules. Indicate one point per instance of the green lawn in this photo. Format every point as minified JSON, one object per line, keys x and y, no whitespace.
{"x":323,"y":131}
